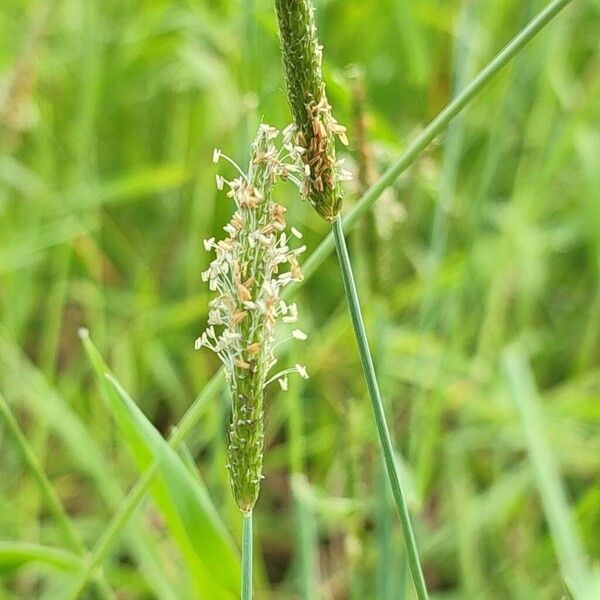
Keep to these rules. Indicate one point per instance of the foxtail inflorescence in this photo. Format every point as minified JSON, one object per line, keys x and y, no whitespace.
{"x":316,"y":126}
{"x":252,"y":264}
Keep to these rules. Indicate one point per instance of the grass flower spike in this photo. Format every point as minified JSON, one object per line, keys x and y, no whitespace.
{"x":253,"y":263}
{"x":316,"y":126}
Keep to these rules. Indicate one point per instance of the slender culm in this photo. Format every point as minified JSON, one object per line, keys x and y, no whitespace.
{"x":317,"y":128}
{"x":247,"y":276}
{"x":378,"y":411}
{"x":247,"y":558}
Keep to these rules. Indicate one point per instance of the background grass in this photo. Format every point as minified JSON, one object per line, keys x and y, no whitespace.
{"x":108,"y":115}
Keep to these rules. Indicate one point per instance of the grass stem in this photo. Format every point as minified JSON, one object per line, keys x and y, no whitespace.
{"x":247,"y":557}
{"x":380,"y":420}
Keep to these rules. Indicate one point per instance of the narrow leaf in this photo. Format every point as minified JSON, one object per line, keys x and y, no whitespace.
{"x":17,"y":554}
{"x":183,"y":500}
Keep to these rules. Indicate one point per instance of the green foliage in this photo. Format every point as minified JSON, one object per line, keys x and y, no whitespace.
{"x":189,"y":514}
{"x":106,"y":192}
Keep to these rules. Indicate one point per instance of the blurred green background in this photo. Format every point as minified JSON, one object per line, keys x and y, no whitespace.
{"x":479,"y":273}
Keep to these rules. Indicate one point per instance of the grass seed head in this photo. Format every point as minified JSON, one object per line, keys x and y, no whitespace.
{"x":313,"y":140}
{"x":247,"y":274}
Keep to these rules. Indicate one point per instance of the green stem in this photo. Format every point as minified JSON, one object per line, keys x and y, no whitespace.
{"x":247,"y":557}
{"x":380,"y":420}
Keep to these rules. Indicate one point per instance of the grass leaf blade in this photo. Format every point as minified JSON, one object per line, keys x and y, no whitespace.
{"x":192,"y":518}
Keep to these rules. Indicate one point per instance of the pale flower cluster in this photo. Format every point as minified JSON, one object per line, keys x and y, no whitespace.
{"x":253,"y":264}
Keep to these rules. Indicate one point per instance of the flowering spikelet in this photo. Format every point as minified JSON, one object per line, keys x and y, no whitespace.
{"x":316,"y":126}
{"x":251,"y":266}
